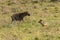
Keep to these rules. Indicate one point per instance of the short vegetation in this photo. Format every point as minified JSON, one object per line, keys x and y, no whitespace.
{"x":42,"y":21}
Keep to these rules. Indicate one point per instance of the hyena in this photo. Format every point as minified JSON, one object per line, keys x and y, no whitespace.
{"x":19,"y":16}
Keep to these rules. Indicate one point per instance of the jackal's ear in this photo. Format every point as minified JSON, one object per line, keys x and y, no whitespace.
{"x":40,"y":21}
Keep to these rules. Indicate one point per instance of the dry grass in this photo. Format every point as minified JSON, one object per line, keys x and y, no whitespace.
{"x":29,"y":29}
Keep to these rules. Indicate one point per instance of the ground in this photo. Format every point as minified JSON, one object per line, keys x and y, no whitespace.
{"x":29,"y":28}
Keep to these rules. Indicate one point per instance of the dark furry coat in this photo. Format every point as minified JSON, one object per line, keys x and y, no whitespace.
{"x":19,"y":16}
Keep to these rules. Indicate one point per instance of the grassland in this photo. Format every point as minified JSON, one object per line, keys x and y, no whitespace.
{"x":29,"y":28}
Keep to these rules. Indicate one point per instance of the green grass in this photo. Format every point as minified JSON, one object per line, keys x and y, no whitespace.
{"x":29,"y":28}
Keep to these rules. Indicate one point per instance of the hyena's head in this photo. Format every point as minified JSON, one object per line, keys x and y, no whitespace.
{"x":26,"y":14}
